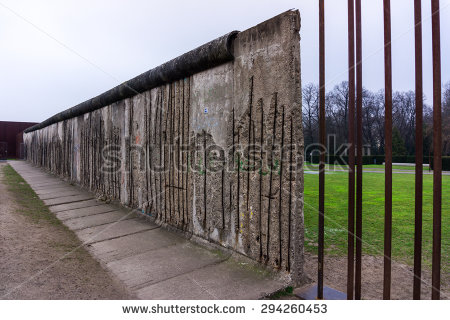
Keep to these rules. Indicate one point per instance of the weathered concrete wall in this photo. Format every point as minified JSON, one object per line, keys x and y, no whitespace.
{"x":217,"y":154}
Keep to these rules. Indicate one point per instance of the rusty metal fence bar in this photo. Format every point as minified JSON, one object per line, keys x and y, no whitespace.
{"x":321,"y":224}
{"x":419,"y":151}
{"x":387,"y":150}
{"x":359,"y":135}
{"x":351,"y":154}
{"x":437,"y":151}
{"x":354,"y":244}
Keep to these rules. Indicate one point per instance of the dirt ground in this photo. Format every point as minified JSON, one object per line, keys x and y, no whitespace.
{"x":335,"y":273}
{"x":34,"y":263}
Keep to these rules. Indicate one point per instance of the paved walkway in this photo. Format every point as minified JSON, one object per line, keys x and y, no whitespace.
{"x":152,"y":262}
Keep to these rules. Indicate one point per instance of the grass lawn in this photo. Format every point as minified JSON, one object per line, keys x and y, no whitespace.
{"x":394,"y":167}
{"x":336,"y":197}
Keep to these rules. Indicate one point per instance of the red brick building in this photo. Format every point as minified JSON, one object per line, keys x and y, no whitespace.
{"x":11,"y":139}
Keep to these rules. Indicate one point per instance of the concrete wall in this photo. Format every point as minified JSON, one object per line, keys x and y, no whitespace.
{"x":217,"y":154}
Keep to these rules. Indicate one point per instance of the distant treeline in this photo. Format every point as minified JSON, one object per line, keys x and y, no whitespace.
{"x":403,"y":117}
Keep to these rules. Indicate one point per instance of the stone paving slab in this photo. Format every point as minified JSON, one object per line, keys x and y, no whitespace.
{"x":40,"y":179}
{"x":43,"y":191}
{"x":54,"y":195}
{"x":75,"y":205}
{"x":114,"y":230}
{"x":51,"y":185}
{"x":68,"y":199}
{"x":229,"y":280}
{"x":45,"y":183}
{"x":84,"y":212}
{"x":161,"y":264}
{"x":35,"y":177}
{"x":134,"y":244}
{"x":178,"y":288}
{"x":153,"y":262}
{"x":96,"y":220}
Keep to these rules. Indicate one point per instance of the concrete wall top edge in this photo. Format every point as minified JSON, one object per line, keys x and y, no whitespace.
{"x":211,"y":54}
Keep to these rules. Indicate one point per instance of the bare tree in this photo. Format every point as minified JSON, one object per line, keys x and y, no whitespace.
{"x":446,"y":120}
{"x":373,"y":124}
{"x":310,"y":113}
{"x":403,"y":117}
{"x":337,"y":112}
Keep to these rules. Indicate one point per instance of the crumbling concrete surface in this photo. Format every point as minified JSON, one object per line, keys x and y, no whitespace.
{"x":216,"y":154}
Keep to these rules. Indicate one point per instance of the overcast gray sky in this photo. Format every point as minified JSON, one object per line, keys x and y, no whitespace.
{"x":56,"y":54}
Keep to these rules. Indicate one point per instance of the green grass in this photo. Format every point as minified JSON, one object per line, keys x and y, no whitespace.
{"x":29,"y":203}
{"x":336,"y":202}
{"x":394,"y":167}
{"x":286,"y":292}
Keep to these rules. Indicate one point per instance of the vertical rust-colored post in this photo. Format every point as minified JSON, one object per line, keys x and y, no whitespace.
{"x":419,"y":151}
{"x":437,"y":151}
{"x":387,"y":150}
{"x":359,"y":135}
{"x":351,"y":151}
{"x":322,"y":152}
